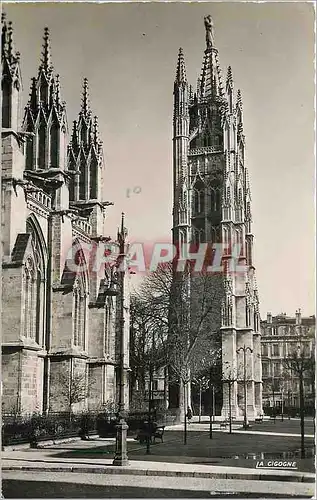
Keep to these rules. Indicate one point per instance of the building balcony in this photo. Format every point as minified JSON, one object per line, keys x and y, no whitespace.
{"x":205,"y":150}
{"x":41,"y":198}
{"x":82,"y":225}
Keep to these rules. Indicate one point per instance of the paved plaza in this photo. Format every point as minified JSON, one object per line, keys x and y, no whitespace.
{"x":203,"y":468}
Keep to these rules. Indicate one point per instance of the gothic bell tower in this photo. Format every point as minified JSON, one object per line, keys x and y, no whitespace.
{"x":212,"y":204}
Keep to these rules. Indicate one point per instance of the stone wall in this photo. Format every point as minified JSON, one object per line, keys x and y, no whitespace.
{"x":11,"y":376}
{"x":11,"y":304}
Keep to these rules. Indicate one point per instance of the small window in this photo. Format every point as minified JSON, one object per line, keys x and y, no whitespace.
{"x":275,"y":350}
{"x":265,"y":351}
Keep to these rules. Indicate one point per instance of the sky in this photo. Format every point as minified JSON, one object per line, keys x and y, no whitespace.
{"x":128,"y":52}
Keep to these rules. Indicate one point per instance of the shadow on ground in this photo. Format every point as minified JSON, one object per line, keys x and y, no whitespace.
{"x":12,"y":488}
{"x":239,"y":450}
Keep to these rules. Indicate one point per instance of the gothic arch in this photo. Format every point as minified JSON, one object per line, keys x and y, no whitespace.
{"x":199,"y":236}
{"x":199,"y":197}
{"x":33,"y":227}
{"x":213,"y":202}
{"x":34,"y":275}
{"x":80,"y":296}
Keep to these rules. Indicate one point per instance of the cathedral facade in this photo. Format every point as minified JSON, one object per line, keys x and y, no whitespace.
{"x":212,"y":204}
{"x":63,"y":310}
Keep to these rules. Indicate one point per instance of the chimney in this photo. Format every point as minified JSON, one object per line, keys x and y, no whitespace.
{"x":269,"y":317}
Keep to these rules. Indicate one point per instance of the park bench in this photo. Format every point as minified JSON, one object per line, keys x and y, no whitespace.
{"x":159,"y":433}
{"x":226,"y":422}
{"x":154,"y":432}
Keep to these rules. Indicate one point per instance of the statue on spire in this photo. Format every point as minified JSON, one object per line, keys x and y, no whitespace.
{"x":209,"y":26}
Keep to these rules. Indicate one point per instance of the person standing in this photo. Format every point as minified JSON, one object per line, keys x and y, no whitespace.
{"x":189,"y":414}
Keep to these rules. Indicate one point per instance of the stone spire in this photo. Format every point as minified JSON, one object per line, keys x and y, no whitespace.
{"x":85,"y":109}
{"x":7,"y":37}
{"x":46,"y":59}
{"x":85,"y":153}
{"x":239,"y":112}
{"x":239,"y":99}
{"x":11,"y":78}
{"x":45,"y":116}
{"x":210,"y":83}
{"x":57,"y":94}
{"x":229,"y":80}
{"x":181,"y":69}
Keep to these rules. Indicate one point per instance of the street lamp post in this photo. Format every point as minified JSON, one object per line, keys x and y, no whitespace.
{"x":151,"y":372}
{"x":121,"y":454}
{"x":245,"y":349}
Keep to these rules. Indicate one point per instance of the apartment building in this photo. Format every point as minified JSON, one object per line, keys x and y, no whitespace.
{"x":282,"y":336}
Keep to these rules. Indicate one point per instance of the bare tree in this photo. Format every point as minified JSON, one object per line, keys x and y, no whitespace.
{"x":301,"y":364}
{"x":185,"y":309}
{"x":146,"y":349}
{"x":271,"y":385}
{"x":73,"y":388}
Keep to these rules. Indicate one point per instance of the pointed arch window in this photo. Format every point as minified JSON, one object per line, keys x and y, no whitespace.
{"x":41,"y":146}
{"x":199,"y":236}
{"x":83,"y":179}
{"x":29,"y":153}
{"x":6,"y":104}
{"x":79,"y":314}
{"x":72,"y":182}
{"x":256,"y":322}
{"x":54,"y":140}
{"x":213,"y":235}
{"x":199,"y":200}
{"x":228,"y":137}
{"x":213,"y":202}
{"x":218,"y":198}
{"x":248,"y":315}
{"x":196,"y":201}
{"x":29,"y":281}
{"x":33,"y":284}
{"x":93,"y":179}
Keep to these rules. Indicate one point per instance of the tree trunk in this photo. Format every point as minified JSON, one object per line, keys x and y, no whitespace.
{"x":166,"y":400}
{"x":182,"y":402}
{"x":185,"y":414}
